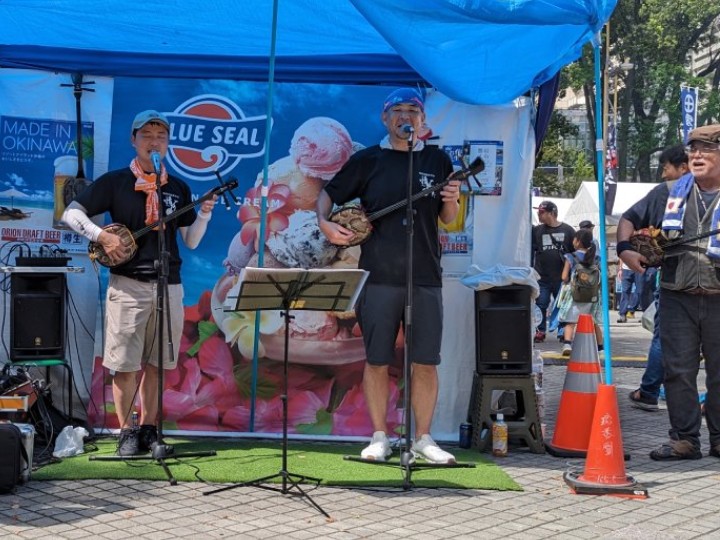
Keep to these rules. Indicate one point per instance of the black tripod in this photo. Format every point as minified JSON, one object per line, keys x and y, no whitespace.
{"x":160,"y":450}
{"x":320,"y":290}
{"x":407,"y":460}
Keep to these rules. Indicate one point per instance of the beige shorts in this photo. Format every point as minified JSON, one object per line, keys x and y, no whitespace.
{"x":130,"y":332}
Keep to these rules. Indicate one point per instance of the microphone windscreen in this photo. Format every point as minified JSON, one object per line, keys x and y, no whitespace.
{"x":155,"y":158}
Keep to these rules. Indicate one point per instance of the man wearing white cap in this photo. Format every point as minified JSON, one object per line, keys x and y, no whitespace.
{"x":130,"y":196}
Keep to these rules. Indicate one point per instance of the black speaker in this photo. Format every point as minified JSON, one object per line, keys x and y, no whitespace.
{"x":503,"y":341}
{"x":37,"y":315}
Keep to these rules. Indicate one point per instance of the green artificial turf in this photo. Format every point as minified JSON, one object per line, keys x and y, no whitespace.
{"x":244,"y":460}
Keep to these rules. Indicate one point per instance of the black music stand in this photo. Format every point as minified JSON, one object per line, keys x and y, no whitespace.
{"x":288,"y":289}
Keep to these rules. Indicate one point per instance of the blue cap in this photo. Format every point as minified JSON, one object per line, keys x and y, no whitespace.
{"x":404,"y":95}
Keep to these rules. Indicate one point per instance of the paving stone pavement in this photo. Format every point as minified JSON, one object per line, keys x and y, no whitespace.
{"x":683,"y":500}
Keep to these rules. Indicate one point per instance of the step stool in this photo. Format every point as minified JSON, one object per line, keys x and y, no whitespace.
{"x":524,"y":424}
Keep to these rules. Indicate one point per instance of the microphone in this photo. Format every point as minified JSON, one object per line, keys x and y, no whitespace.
{"x":155,"y":158}
{"x":407,"y":128}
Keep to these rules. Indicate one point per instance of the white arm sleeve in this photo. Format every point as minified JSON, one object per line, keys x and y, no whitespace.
{"x":194,"y":233}
{"x":76,"y":217}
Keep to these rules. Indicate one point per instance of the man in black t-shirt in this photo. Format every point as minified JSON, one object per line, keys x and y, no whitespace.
{"x":378,"y":177}
{"x":130,"y":197}
{"x":551,"y":240}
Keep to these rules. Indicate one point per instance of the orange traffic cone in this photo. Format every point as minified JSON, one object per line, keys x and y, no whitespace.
{"x":577,"y":402}
{"x":605,"y":465}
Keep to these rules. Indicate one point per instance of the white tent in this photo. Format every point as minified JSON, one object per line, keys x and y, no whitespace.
{"x":585,"y":204}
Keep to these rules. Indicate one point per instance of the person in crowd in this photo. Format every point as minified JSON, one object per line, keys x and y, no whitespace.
{"x":590,"y":226}
{"x":674,"y":163}
{"x":689,"y":304}
{"x":551,"y":240}
{"x":570,"y":310}
{"x":130,"y":196}
{"x":648,"y":288}
{"x":377,"y":176}
{"x":630,"y":292}
{"x":587,"y":224}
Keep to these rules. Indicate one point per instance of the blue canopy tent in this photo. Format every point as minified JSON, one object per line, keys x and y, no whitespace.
{"x":474,"y":52}
{"x":480,"y":52}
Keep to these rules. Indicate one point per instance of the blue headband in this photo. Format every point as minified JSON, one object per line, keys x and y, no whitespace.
{"x":403,"y":95}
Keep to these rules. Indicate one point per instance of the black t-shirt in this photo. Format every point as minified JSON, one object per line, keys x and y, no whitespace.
{"x":549,"y":245}
{"x":114,"y":192}
{"x":378,"y":177}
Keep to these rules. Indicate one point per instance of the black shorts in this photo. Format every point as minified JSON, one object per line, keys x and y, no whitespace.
{"x":381,"y":310}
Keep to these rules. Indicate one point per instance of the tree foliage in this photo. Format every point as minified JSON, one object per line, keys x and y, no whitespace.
{"x":556,"y":155}
{"x":657,"y":37}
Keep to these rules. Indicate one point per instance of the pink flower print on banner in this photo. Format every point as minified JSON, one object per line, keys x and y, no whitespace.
{"x":197,"y":391}
{"x":101,"y":408}
{"x":352,"y":418}
{"x":237,"y":418}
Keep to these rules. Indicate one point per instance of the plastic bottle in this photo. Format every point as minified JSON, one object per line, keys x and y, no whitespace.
{"x":500,"y":436}
{"x":537,"y":368}
{"x":537,"y":374}
{"x":134,"y":419}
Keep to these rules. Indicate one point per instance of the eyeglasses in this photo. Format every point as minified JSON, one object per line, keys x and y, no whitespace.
{"x":705,"y":149}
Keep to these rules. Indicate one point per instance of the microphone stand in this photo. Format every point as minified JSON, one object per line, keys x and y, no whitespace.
{"x":160,"y":450}
{"x":407,"y":460}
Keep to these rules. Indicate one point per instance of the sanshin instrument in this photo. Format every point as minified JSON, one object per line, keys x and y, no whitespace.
{"x":128,"y":238}
{"x":353,"y":217}
{"x":652,"y":244}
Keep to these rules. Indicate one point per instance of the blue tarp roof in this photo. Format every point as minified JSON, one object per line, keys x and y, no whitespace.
{"x":474,"y":51}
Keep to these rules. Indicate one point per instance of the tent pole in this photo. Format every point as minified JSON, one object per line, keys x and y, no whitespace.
{"x":263,"y":206}
{"x":600,"y":154}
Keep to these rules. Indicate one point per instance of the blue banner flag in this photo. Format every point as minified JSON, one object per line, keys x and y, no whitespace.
{"x":688,"y":108}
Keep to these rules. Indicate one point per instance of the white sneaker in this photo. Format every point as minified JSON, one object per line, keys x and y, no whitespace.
{"x":567,"y":349}
{"x":378,"y":449}
{"x":428,"y":449}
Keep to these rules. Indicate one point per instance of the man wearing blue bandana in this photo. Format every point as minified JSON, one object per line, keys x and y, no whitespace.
{"x":377,"y":175}
{"x":689,"y":305}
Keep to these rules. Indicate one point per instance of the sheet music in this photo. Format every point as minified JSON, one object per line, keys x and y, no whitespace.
{"x":322,"y":289}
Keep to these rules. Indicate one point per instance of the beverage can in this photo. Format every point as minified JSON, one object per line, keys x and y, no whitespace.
{"x":465,"y":438}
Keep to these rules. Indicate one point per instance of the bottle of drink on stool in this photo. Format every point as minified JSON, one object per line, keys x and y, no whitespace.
{"x":500,"y":436}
